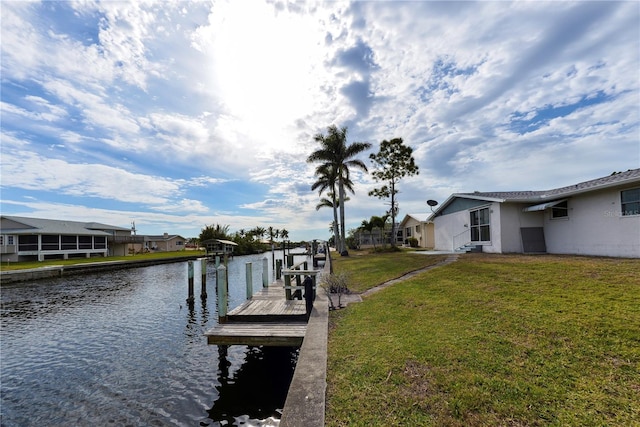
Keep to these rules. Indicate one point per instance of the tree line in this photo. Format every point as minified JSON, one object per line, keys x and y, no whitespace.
{"x":256,"y":240}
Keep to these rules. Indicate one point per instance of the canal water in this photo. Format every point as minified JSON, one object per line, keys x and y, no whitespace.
{"x":124,"y":349}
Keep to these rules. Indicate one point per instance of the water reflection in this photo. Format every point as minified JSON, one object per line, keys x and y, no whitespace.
{"x":264,"y":378}
{"x":123,"y":348}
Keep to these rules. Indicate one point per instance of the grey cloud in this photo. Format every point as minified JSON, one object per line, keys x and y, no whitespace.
{"x":357,"y":58}
{"x":563,"y":33}
{"x":359,"y":95}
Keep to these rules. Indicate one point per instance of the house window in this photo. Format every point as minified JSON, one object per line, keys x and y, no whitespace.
{"x":417,"y":229}
{"x":480,"y":231}
{"x":561,"y":210}
{"x":408,"y":232}
{"x":10,"y":240}
{"x":630,"y":201}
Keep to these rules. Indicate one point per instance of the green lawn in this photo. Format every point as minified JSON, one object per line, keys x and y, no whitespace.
{"x":73,"y":261}
{"x":366,"y":270}
{"x":491,"y":340}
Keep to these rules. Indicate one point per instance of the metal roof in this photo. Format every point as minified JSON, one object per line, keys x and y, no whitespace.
{"x":52,"y":226}
{"x":631,"y":176}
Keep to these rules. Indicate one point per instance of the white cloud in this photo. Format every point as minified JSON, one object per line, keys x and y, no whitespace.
{"x":184,"y":89}
{"x":30,"y":171}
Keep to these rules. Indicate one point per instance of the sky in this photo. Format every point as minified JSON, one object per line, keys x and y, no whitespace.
{"x":176,"y":115}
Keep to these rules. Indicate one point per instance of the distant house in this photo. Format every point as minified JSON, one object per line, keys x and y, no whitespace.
{"x":215,"y":247}
{"x":416,"y":226}
{"x":598,"y":217}
{"x":23,"y":238}
{"x":166,"y":242}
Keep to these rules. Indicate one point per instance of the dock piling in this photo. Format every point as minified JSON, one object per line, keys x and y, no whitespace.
{"x":265,"y":272}
{"x":249,"y":276}
{"x":190,"y":282}
{"x":221,"y":279}
{"x":203,"y":274}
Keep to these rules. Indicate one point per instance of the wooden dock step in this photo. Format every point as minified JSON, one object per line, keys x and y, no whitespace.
{"x":270,"y":333}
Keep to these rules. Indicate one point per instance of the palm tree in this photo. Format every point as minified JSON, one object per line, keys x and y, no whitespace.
{"x":333,"y":204}
{"x":327,"y":182}
{"x":368,"y":226}
{"x":334,"y":155}
{"x":273,"y":234}
{"x":379,"y":222}
{"x":259,"y":232}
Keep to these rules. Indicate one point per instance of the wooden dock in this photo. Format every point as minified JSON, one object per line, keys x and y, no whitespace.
{"x":268,"y":318}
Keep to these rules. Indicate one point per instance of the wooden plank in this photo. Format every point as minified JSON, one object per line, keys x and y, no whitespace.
{"x":275,"y":334}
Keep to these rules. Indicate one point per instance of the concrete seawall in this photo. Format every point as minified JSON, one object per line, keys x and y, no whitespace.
{"x":13,"y":276}
{"x":305,"y":402}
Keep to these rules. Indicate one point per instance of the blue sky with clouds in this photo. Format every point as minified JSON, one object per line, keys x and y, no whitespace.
{"x":180,"y":114}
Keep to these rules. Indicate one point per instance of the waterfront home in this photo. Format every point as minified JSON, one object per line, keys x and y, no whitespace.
{"x":24,"y":238}
{"x":598,"y":217}
{"x":165,"y":242}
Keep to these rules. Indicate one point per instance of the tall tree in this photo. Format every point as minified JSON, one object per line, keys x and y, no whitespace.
{"x":393,"y":161}
{"x":259,"y":232}
{"x":327,"y":177}
{"x":335,"y":153}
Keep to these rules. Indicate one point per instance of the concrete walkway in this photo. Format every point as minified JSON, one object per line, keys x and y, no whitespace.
{"x":350,"y":298}
{"x":450,"y":258}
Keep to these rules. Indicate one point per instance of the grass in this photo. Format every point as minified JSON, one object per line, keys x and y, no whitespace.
{"x":491,"y":340}
{"x":366,"y":269}
{"x":74,"y":261}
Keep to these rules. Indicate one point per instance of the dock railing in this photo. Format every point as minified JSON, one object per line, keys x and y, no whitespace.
{"x":297,"y":271}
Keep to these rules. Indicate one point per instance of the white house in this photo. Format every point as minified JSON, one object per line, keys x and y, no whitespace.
{"x":416,"y":226}
{"x":598,"y":217}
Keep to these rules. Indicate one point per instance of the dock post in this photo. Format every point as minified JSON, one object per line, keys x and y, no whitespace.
{"x":190,"y":282}
{"x":289,"y":261}
{"x":203,"y":273}
{"x":278,"y":269}
{"x":314,"y":248}
{"x":221,"y":279}
{"x":287,"y":289}
{"x":265,"y":272}
{"x":249,"y":275}
{"x":217,"y":261}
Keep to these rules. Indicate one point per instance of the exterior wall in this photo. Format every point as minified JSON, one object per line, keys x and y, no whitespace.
{"x":512,"y":219}
{"x":452,"y":231}
{"x":423,"y":233}
{"x":427,"y":239}
{"x":176,"y":243}
{"x":595,"y":226}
